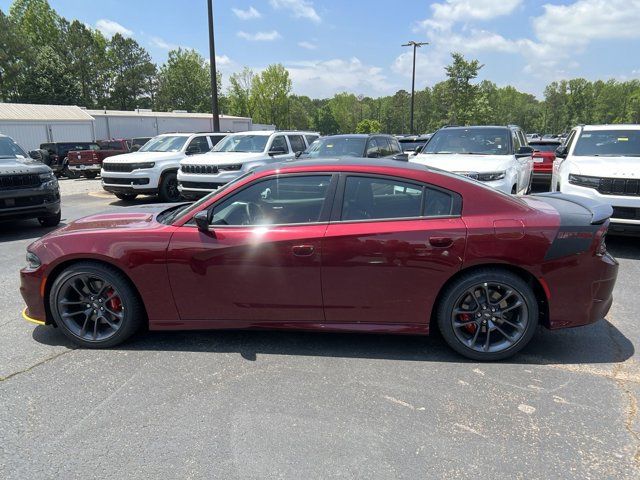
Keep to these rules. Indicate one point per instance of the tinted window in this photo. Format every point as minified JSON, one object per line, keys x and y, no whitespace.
{"x":608,"y":143}
{"x":311,"y":138}
{"x":370,"y":198}
{"x":215,"y":139}
{"x":200,"y":143}
{"x":487,"y":141}
{"x":373,"y":148}
{"x":395,"y":146}
{"x":544,"y":147}
{"x":438,"y":203}
{"x":297,"y":143}
{"x":279,"y":143}
{"x":336,"y":147}
{"x":110,"y":145}
{"x":385,"y":146}
{"x":276,"y":201}
{"x":65,"y":148}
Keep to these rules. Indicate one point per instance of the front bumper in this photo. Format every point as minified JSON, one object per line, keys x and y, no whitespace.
{"x":196,"y":184}
{"x":32,"y":289}
{"x":138,"y":181}
{"x":29,"y":203}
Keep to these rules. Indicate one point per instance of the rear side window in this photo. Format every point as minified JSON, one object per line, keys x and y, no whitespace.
{"x":373,"y":198}
{"x":297,"y":143}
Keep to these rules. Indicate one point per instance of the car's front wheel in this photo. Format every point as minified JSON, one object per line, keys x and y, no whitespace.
{"x":95,"y":305}
{"x":168,"y":189}
{"x":488,"y":314}
{"x":126,"y":196}
{"x":50,"y":220}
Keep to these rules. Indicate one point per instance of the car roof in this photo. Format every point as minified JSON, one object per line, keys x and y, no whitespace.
{"x":336,"y":164}
{"x":545,"y":140}
{"x":622,"y":126}
{"x":466,"y":127}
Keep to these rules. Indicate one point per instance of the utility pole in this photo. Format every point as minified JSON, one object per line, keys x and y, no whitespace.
{"x":214,"y":78}
{"x":415,"y":45}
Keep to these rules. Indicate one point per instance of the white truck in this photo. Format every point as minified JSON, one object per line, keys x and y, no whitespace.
{"x":603,"y":162}
{"x":237,"y":154}
{"x":152,"y":170}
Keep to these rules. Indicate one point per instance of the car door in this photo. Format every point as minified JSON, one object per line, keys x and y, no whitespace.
{"x":529,"y":165}
{"x":279,"y":143}
{"x":297,"y":143}
{"x":521,"y":162}
{"x":260,"y":262}
{"x":389,"y":248}
{"x":373,"y":148}
{"x":198,"y":145}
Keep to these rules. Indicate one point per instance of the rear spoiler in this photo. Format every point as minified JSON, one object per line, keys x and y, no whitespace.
{"x":599,"y":211}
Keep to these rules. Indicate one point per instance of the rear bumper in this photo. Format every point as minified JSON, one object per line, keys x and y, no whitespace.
{"x":85,"y":168}
{"x":542,"y":177}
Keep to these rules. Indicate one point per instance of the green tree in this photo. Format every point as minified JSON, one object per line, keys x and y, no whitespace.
{"x":132,"y":73}
{"x":269,"y":95}
{"x":14,"y":58}
{"x":184,"y":82}
{"x":87,"y":58}
{"x":368,"y":126}
{"x":345,"y":109}
{"x":239,"y":93}
{"x":324,"y":121}
{"x":463,"y":93}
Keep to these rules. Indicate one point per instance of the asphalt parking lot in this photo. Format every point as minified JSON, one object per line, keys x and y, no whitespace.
{"x":300,"y":405}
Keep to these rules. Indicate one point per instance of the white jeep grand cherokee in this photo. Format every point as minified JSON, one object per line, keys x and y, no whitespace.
{"x":603,"y":162}
{"x":496,"y":156}
{"x":152,"y":169}
{"x":237,"y":154}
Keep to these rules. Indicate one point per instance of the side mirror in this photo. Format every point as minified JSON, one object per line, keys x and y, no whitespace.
{"x":419,"y":148}
{"x":202,"y":221}
{"x":135,"y":148}
{"x":561,"y":151}
{"x":298,"y":154}
{"x":401,"y":157}
{"x":374,"y":155}
{"x":277,"y":151}
{"x":193,"y":150}
{"x":525,"y":151}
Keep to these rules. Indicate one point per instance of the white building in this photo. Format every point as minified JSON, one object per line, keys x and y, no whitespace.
{"x":31,"y":125}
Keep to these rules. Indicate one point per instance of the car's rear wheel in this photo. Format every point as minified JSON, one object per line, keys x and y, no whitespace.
{"x":488,"y":315}
{"x":95,"y":305}
{"x":168,"y":190}
{"x":126,"y":196}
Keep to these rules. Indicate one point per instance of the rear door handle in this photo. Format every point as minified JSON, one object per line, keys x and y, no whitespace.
{"x":441,"y":242}
{"x":303,"y":250}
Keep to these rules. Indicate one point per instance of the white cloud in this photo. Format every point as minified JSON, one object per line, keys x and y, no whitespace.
{"x":307,"y":45}
{"x":324,"y":78}
{"x":298,"y":9}
{"x":451,"y":11}
{"x":164,"y":45}
{"x":260,"y":36}
{"x":248,"y":14}
{"x":109,"y":28}
{"x":223,"y":60}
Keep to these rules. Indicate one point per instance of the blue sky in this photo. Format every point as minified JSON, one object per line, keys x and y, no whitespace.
{"x":354,"y":45}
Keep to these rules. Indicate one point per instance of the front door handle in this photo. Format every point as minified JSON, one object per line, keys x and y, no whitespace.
{"x":303,"y":250}
{"x":441,"y":242}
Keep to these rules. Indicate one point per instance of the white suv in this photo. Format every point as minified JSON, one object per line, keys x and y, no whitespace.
{"x":603,"y":162}
{"x":237,"y":154}
{"x":497,"y":156}
{"x":152,"y":169}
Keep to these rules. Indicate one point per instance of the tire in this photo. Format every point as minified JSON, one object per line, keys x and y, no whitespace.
{"x":126,"y":196}
{"x":90,"y":175}
{"x":471,"y":334}
{"x":50,"y":220}
{"x":168,"y":190}
{"x":103,"y":288}
{"x":44,"y":157}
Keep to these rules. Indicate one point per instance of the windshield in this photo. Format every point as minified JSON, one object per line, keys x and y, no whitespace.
{"x":337,"y":147}
{"x":10,"y":149}
{"x":480,"y":141}
{"x":609,"y":143}
{"x":169,"y":215}
{"x":242,"y":143}
{"x":544,"y":147}
{"x":164,"y":144}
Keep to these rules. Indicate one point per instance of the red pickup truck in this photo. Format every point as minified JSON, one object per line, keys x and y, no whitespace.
{"x":88,"y":163}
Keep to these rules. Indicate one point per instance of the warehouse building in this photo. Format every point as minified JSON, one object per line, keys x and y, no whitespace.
{"x":31,"y":125}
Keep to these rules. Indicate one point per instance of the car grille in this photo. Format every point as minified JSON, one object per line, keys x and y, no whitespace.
{"x":202,"y":169}
{"x":620,"y":186}
{"x":118,"y":167}
{"x":12,"y":182}
{"x":202,"y":185}
{"x":125,"y":181}
{"x":626,"y":213}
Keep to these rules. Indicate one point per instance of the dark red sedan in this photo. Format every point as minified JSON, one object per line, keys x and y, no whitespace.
{"x":544,"y":153}
{"x":350,"y":245}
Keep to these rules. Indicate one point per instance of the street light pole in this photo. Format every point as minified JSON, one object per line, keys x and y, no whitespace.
{"x":415,"y":45}
{"x":214,"y":78}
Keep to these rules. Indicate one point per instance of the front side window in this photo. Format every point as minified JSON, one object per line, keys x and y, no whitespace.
{"x":198,"y":145}
{"x":165,"y":143}
{"x":297,"y":143}
{"x":275,"y":201}
{"x":385,"y":147}
{"x":279,"y":144}
{"x":215,"y":139}
{"x":373,"y":148}
{"x":479,"y":141}
{"x":395,"y":146}
{"x":608,"y":143}
{"x":311,"y":138}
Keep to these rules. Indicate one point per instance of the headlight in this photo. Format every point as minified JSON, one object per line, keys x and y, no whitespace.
{"x":139,"y":166}
{"x":230,"y":168}
{"x":491,"y":176}
{"x":48,"y":179}
{"x":33,"y":262}
{"x":584,"y":181}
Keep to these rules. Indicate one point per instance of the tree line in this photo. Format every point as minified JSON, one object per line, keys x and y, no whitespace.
{"x":45,"y":58}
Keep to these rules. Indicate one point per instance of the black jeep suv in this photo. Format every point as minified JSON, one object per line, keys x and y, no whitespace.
{"x":28,"y":188}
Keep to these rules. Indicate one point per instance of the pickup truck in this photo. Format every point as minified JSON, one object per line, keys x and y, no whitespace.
{"x":88,"y":163}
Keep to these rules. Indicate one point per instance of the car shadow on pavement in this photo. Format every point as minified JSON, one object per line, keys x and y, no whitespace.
{"x":598,"y":343}
{"x":624,"y":247}
{"x":11,"y":231}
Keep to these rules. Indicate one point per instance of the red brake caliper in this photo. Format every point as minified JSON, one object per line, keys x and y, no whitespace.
{"x":114,"y":303}
{"x":471,"y":327}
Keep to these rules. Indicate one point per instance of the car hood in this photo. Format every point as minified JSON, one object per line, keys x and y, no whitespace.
{"x":224,"y":158}
{"x":136,"y":157}
{"x":617,"y":167}
{"x":15,"y":166}
{"x":464,"y":163}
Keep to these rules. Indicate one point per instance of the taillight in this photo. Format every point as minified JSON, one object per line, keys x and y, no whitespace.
{"x":602,"y":246}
